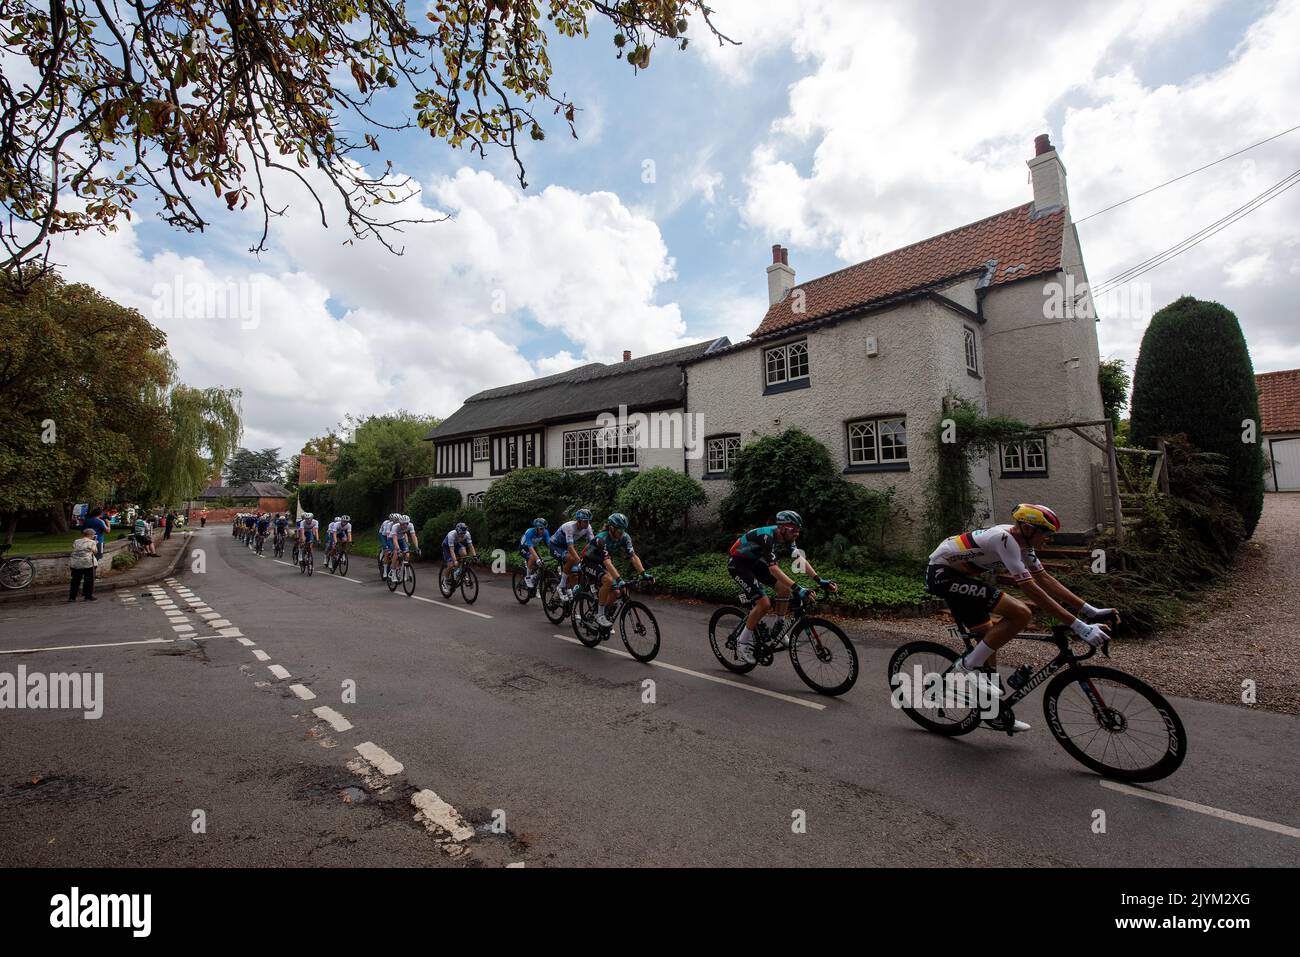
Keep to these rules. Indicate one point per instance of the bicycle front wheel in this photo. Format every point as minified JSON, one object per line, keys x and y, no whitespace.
{"x":469,"y":586}
{"x":342,"y":564}
{"x":520,"y":587}
{"x":1115,"y":724}
{"x":552,"y":603}
{"x":408,"y":579}
{"x":639,"y":630}
{"x":17,"y":573}
{"x":823,"y":656}
{"x":724,"y":627}
{"x":917,"y":688}
{"x":584,"y":620}
{"x":392,"y":582}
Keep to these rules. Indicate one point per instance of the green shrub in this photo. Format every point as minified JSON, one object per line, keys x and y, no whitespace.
{"x":597,"y":490}
{"x":352,"y":497}
{"x":428,"y":500}
{"x":319,"y":499}
{"x":1189,"y":346}
{"x":485,"y":533}
{"x":660,"y":497}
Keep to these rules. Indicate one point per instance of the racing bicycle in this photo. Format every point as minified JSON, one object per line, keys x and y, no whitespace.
{"x":635,"y":622}
{"x":821,"y":653}
{"x":1108,"y":721}
{"x":461,"y":577}
{"x":406,"y":578}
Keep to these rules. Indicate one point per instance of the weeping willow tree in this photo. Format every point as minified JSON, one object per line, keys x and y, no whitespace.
{"x":204,"y":427}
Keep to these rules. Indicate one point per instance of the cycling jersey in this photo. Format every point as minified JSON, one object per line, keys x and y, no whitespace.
{"x":281,"y":524}
{"x":344,"y":531}
{"x":248,"y":522}
{"x":310,"y":527}
{"x":570,"y":534}
{"x":991,"y":549}
{"x":534,"y":538}
{"x":454,"y":540}
{"x":760,"y":545}
{"x":331,"y":529}
{"x":602,"y":546}
{"x":263,"y":524}
{"x":400,"y":530}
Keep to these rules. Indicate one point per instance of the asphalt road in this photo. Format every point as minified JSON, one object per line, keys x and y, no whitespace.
{"x":485,"y":739}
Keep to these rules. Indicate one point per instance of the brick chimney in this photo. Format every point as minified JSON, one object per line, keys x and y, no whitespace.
{"x":627,"y":355}
{"x":1047,"y":173}
{"x":780,"y":277}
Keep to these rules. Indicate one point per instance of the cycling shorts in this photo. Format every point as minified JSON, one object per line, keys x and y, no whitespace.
{"x":969,"y":599}
{"x":446,"y":552}
{"x":751,"y":576}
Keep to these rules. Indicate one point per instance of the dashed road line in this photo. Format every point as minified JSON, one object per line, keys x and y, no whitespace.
{"x":383,"y":762}
{"x":279,"y":671}
{"x":261,"y":655}
{"x":335,"y":720}
{"x":443,"y":604}
{"x":814,"y":705}
{"x":1223,"y":815}
{"x":303,"y":692}
{"x":439,"y":812}
{"x":245,"y":642}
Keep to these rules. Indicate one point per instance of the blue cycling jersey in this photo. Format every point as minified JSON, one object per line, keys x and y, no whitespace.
{"x":534,"y":537}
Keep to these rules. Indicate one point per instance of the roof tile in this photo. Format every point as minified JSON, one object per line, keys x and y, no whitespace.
{"x":1279,"y":400}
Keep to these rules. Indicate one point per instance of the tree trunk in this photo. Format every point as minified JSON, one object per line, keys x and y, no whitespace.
{"x":58,"y":520}
{"x":11,"y":526}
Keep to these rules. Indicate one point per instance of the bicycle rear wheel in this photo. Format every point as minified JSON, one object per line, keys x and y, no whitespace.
{"x":639,"y":630}
{"x":469,"y":586}
{"x":408,"y":579}
{"x":724,"y":626}
{"x":17,"y":573}
{"x":1115,"y":724}
{"x":520,"y":587}
{"x":916,"y":684}
{"x":824,"y":657}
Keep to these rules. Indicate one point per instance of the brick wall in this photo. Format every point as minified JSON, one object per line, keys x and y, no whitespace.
{"x":311,"y":469}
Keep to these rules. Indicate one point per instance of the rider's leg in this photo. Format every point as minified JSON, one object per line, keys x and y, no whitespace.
{"x":1012,"y":618}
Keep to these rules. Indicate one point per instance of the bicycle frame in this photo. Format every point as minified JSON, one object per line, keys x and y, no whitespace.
{"x":1065,"y":658}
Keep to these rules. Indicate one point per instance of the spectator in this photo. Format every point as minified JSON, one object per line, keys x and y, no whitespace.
{"x":170,"y":520}
{"x":95,"y":522}
{"x":144,"y":535}
{"x":203,"y":519}
{"x":85,"y":556}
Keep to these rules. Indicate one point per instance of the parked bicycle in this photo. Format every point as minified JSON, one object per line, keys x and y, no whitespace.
{"x":635,"y":622}
{"x":821,"y":653}
{"x":15,"y":573}
{"x":1108,"y":721}
{"x":461,"y":577}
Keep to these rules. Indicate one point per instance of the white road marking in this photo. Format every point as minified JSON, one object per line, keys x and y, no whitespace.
{"x":261,"y":656}
{"x":203,"y":610}
{"x":208,"y":615}
{"x":278,"y":562}
{"x":245,"y":642}
{"x":1204,"y":809}
{"x":443,"y":604}
{"x":174,"y":614}
{"x":303,"y":692}
{"x":336,"y":720}
{"x":815,"y":705}
{"x":381,"y":759}
{"x":230,"y":633}
{"x":516,"y":864}
{"x":279,"y":671}
{"x":106,"y":644}
{"x":219,"y":623}
{"x":182,"y":628}
{"x":439,"y":812}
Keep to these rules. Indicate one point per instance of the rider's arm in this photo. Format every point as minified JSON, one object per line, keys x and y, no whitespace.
{"x":1039,"y":590}
{"x":1064,"y":596}
{"x":636,"y":563}
{"x":779,"y":574}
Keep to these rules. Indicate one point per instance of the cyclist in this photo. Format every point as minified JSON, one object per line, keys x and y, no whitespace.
{"x":250,"y":522}
{"x":455,"y":544}
{"x":281,"y":528}
{"x":598,"y":566}
{"x":263,"y":526}
{"x":236,"y":523}
{"x":144,"y":535}
{"x":752,"y":563}
{"x":402,"y":534}
{"x":535,"y":535}
{"x":564,"y":546}
{"x":308,"y":532}
{"x":329,"y":536}
{"x":385,"y":542}
{"x":953,"y":576}
{"x":343,"y":534}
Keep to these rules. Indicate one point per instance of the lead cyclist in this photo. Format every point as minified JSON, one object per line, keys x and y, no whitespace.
{"x":990,"y":613}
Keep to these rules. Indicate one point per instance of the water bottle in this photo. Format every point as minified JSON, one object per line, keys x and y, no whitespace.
{"x":1018,"y":677}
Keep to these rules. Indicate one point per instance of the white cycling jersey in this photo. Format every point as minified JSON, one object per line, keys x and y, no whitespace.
{"x":569,"y":534}
{"x":989,"y":548}
{"x":454,"y":540}
{"x":333,"y":527}
{"x":343,"y":530}
{"x":383,"y":527}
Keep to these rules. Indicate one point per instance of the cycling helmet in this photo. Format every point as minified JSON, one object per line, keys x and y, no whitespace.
{"x":1039,"y":516}
{"x":540,"y":523}
{"x":461,"y":528}
{"x":787,"y":517}
{"x":307,"y":515}
{"x":582,"y":515}
{"x":346,"y":518}
{"x":617,"y":520}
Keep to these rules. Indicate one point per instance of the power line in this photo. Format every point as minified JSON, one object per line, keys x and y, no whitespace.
{"x":1160,"y":258}
{"x":1185,"y":175}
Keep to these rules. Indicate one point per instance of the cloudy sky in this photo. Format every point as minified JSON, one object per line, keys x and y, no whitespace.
{"x":840,"y":128}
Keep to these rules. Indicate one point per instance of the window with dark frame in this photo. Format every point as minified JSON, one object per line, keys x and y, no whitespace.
{"x":972,"y":352}
{"x":879,"y":441}
{"x":720,"y":453}
{"x":786,"y":363}
{"x":1025,"y":458}
{"x":600,"y":448}
{"x":480,"y":448}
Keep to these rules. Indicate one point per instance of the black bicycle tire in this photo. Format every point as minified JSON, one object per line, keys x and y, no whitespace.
{"x":26,"y":579}
{"x":951,"y":730}
{"x":579,"y":619}
{"x":1173,"y":756}
{"x":446,"y":586}
{"x":343,"y":563}
{"x":844,"y":686}
{"x":551,"y":586}
{"x":408,"y":578}
{"x":466,"y":579}
{"x":517,"y":584}
{"x":736,"y":665}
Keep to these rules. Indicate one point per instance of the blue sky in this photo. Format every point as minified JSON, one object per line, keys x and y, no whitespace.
{"x":840,"y":128}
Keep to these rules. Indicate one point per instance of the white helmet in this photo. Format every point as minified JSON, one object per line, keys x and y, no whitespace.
{"x":306,"y":515}
{"x":404,"y":519}
{"x":345,"y":518}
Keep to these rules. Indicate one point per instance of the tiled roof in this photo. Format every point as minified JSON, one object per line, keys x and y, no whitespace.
{"x":584,"y":392}
{"x":1279,"y":400}
{"x":1014,"y":244}
{"x":247,"y":490}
